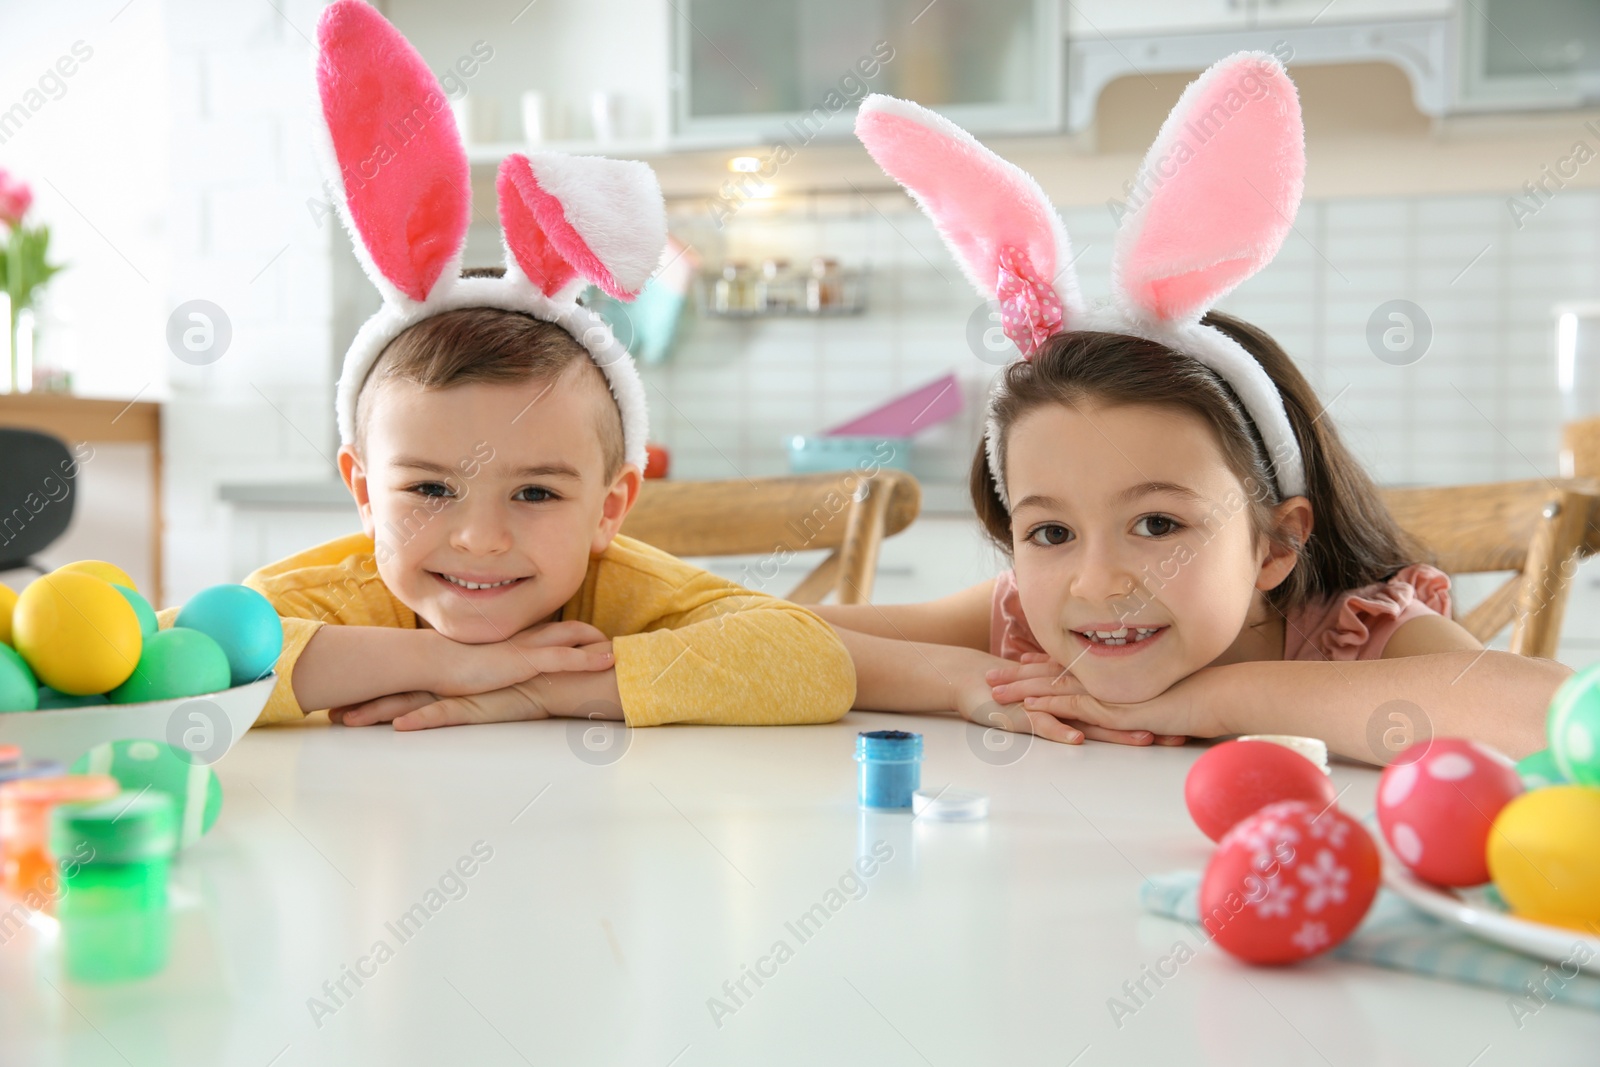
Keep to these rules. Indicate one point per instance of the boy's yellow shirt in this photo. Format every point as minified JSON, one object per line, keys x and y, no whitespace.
{"x":690,"y":647}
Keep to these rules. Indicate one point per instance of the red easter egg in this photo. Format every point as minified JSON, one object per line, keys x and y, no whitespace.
{"x":1239,"y":778}
{"x":656,"y":461}
{"x":1436,"y":803}
{"x":1288,"y":882}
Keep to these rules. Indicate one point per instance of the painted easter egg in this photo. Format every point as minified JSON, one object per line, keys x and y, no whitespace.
{"x":1539,"y":770}
{"x":19,"y":689}
{"x":178,"y":662}
{"x":1436,"y":803}
{"x":1573,"y":726}
{"x":140,"y":765}
{"x":106,"y":572}
{"x":1544,"y":854}
{"x":148,"y":623}
{"x":1288,"y":882}
{"x":1238,"y":778}
{"x":243,"y":622}
{"x":8,"y":603}
{"x":77,"y":632}
{"x":51,"y":699}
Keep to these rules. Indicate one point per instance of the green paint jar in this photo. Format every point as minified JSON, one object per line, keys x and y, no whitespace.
{"x":114,"y":856}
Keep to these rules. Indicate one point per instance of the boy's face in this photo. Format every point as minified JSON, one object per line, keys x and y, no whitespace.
{"x":494,"y":485}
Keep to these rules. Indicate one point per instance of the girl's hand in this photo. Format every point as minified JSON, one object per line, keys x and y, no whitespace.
{"x":1042,"y":686}
{"x":548,"y":648}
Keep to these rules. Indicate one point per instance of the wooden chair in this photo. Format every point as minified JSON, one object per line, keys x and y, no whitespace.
{"x":1537,"y":529}
{"x":1580,"y":448}
{"x":848,"y":512}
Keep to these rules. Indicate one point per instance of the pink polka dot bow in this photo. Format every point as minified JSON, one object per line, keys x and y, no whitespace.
{"x":1030,"y":311}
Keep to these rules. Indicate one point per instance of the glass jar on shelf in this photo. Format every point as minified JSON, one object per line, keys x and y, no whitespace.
{"x":825,"y":287}
{"x":779,"y":291}
{"x":734,"y":292}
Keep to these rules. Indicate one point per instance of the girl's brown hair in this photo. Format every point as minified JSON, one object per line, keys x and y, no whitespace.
{"x":1354,"y":540}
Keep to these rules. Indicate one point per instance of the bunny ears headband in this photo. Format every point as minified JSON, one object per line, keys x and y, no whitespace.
{"x":1214,"y":200}
{"x":404,"y":193}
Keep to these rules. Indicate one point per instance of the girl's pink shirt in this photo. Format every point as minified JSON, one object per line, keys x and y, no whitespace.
{"x":1353,"y":625}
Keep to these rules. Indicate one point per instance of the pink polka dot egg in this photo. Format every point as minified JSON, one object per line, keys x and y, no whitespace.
{"x":1436,"y":804}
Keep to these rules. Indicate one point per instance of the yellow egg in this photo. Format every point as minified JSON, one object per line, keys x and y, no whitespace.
{"x":109,"y":572}
{"x":1544,"y":855}
{"x":78,"y":634}
{"x":8,"y":601}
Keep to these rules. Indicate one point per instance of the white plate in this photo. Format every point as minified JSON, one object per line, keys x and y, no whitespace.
{"x":1476,"y":912}
{"x":206,"y":726}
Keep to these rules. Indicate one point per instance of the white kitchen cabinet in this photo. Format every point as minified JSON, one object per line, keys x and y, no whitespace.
{"x":787,"y":69}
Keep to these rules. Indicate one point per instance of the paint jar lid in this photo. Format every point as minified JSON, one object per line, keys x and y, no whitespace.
{"x":128,"y":828}
{"x":1313,"y":749}
{"x":948,"y":804}
{"x":44,"y":768}
{"x":888,"y":746}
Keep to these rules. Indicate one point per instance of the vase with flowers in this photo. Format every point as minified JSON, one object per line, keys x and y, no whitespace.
{"x":24,"y":269}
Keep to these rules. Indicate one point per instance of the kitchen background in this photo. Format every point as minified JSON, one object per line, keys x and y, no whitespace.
{"x":1444,"y":172}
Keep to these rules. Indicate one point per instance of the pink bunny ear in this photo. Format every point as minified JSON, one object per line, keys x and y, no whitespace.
{"x":569,"y":216}
{"x":1216,"y":194}
{"x":404,"y":170}
{"x":994,"y":217}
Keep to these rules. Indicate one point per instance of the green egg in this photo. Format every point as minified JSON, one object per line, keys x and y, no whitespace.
{"x":174,"y":663}
{"x":140,"y":765}
{"x":1573,"y":727}
{"x":51,"y":699}
{"x":19,"y":689}
{"x":1539,"y":770}
{"x":141,"y":607}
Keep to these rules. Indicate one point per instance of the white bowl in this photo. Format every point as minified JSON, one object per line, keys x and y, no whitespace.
{"x":204,"y":726}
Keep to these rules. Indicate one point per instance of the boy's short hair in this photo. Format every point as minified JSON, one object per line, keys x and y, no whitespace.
{"x":489,"y":345}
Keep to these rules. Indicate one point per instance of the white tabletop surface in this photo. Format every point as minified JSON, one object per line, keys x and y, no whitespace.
{"x":623,"y":892}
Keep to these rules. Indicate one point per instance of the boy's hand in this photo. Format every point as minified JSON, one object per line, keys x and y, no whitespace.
{"x":1041,"y":686}
{"x":422,"y":711}
{"x":530,"y":699}
{"x":548,"y":648}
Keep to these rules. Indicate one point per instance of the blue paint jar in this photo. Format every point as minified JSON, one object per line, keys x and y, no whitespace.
{"x":890,"y":768}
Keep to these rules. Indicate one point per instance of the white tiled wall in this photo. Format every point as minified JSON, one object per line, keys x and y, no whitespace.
{"x":1480,"y":405}
{"x":245,"y":238}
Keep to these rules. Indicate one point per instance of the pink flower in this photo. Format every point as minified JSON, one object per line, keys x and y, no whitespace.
{"x":15,"y":199}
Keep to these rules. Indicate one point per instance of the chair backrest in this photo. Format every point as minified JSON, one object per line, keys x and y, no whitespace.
{"x":1537,"y":529}
{"x":848,"y":512}
{"x":37,"y":476}
{"x":1580,"y":448}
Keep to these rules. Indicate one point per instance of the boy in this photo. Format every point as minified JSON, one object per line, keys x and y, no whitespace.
{"x":490,"y":582}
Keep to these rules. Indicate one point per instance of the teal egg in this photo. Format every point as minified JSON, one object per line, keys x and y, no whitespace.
{"x":1539,"y":770}
{"x":1573,"y":726}
{"x":19,"y":689}
{"x":141,"y":607}
{"x":140,"y":765}
{"x":174,"y":663}
{"x":243,"y":622}
{"x":51,"y":699}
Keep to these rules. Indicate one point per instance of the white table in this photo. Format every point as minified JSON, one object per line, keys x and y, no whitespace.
{"x":621,"y":896}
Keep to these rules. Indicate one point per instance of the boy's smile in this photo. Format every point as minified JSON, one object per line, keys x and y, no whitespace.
{"x":1135,"y":560}
{"x":485,"y":501}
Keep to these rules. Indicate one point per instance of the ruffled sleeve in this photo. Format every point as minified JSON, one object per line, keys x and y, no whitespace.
{"x":1009,"y":633}
{"x":1359,"y":623}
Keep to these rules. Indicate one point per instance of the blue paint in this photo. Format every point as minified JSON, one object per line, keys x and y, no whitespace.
{"x":890,"y":768}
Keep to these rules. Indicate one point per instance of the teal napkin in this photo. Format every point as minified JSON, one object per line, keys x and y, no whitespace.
{"x":1397,"y":935}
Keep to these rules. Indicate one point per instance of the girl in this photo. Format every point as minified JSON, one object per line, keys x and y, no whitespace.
{"x":1195,"y":551}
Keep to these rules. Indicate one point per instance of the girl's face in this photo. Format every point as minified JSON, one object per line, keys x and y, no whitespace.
{"x":1127,"y":521}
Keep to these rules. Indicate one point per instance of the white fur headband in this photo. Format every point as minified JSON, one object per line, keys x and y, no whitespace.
{"x":403,"y":189}
{"x":1213,"y":202}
